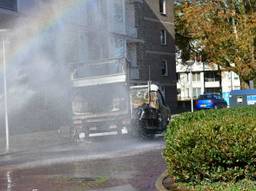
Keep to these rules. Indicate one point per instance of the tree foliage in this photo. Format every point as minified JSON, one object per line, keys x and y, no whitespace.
{"x":225,"y":32}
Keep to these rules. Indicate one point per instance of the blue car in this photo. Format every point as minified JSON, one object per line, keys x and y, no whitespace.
{"x":210,"y":101}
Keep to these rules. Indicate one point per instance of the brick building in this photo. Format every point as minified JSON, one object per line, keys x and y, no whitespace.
{"x":156,"y":55}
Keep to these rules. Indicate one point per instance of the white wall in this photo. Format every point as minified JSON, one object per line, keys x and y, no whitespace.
{"x":198,"y":67}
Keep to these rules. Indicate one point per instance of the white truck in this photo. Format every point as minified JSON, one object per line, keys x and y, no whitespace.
{"x":107,"y":105}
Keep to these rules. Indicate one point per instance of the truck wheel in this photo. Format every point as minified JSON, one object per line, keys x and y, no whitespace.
{"x":143,"y":133}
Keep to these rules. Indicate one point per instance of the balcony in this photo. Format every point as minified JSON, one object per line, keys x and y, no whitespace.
{"x":135,"y":1}
{"x":99,"y":80}
{"x":212,"y":84}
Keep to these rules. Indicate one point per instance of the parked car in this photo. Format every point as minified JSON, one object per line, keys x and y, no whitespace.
{"x":210,"y":101}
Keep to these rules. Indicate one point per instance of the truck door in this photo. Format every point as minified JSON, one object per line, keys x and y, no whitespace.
{"x":164,"y":109}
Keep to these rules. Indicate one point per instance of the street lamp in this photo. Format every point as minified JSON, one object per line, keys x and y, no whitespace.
{"x":190,"y":63}
{"x":3,"y":31}
{"x":231,"y":76}
{"x":231,"y":81}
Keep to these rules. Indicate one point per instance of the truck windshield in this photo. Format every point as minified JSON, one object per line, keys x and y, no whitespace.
{"x":139,"y":97}
{"x":100,"y":99}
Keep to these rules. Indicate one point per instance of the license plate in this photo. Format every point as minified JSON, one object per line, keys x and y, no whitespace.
{"x":203,"y":105}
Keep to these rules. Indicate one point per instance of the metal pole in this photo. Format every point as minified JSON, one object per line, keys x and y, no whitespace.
{"x":231,"y":80}
{"x":5,"y":99}
{"x":191,"y":89}
{"x":149,"y":72}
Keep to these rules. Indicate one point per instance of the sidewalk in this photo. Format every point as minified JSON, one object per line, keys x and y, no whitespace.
{"x":33,"y":141}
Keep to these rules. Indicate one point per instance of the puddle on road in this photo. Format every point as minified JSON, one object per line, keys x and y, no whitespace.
{"x":6,"y":181}
{"x":67,"y":177}
{"x":139,"y":171}
{"x":13,"y":181}
{"x":9,"y":181}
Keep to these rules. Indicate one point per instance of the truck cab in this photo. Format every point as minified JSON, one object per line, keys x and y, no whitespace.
{"x":150,"y":114}
{"x":101,"y":110}
{"x":111,"y":109}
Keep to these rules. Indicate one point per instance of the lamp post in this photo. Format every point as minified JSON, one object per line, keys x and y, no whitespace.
{"x":231,"y":77}
{"x":5,"y":91}
{"x":231,"y":80}
{"x":190,"y":63}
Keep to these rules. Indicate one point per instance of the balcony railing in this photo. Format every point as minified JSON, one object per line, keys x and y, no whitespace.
{"x":212,"y":84}
{"x":101,"y":68}
{"x":99,"y":80}
{"x":100,"y":72}
{"x":135,"y":1}
{"x":208,"y":79}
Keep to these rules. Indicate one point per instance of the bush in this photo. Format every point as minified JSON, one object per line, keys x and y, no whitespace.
{"x":213,"y":145}
{"x":244,"y":185}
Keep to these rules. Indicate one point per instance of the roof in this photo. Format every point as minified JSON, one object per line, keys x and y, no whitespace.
{"x":243,"y":92}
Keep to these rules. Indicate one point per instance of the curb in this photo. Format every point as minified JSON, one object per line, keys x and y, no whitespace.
{"x":159,"y":182}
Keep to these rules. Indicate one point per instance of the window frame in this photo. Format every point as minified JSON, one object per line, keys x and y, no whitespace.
{"x":164,"y":66}
{"x":196,"y":92}
{"x":163,"y":37}
{"x":162,"y":7}
{"x":196,"y":76}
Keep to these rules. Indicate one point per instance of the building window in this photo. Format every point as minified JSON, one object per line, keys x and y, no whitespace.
{"x":236,"y":77}
{"x":9,"y":4}
{"x":196,"y":77}
{"x":164,"y":68}
{"x":178,"y":77}
{"x":179,"y":93}
{"x":93,"y":16}
{"x":118,"y":47}
{"x":188,"y":92}
{"x":196,"y":92}
{"x":163,"y":37}
{"x":187,"y":77}
{"x":118,"y":11}
{"x":162,"y":7}
{"x":212,"y":76}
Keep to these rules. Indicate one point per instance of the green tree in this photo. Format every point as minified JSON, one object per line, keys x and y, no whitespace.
{"x":225,"y":32}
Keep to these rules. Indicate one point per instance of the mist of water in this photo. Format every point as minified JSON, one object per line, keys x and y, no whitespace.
{"x":48,"y":43}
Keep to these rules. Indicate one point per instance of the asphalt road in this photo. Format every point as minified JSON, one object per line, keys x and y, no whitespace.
{"x":106,"y":163}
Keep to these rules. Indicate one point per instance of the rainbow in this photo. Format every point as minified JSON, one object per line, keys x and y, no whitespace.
{"x":44,"y":21}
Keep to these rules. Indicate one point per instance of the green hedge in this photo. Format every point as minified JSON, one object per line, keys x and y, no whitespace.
{"x":212,"y":145}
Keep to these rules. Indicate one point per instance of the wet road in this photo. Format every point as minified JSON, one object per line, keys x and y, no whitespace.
{"x":113,"y":163}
